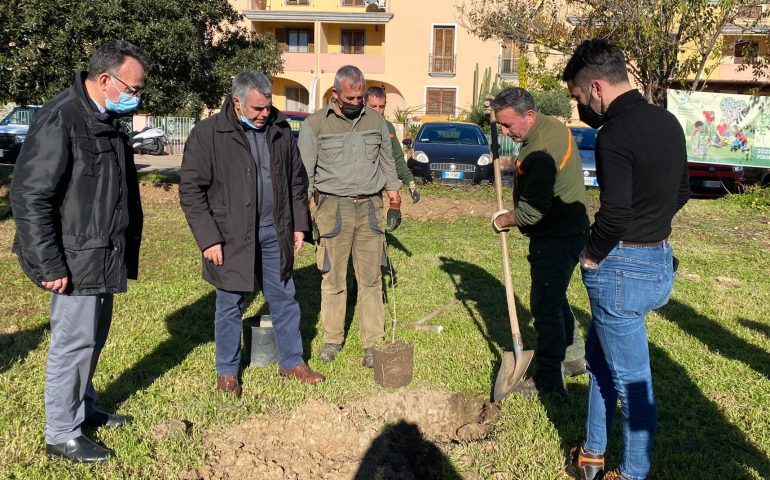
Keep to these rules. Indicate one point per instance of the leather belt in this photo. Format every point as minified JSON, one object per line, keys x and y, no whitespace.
{"x":643,"y":244}
{"x":353,"y":197}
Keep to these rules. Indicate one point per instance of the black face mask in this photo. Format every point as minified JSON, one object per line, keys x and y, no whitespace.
{"x":349,"y":110}
{"x":590,"y":117}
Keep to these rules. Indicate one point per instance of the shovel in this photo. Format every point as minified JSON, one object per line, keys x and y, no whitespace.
{"x":514,"y":364}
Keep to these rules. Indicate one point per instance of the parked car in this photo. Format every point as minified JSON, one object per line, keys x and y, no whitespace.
{"x":295,"y":120}
{"x":452,"y":153}
{"x":13,"y":131}
{"x":586,"y":141}
{"x":713,"y":180}
{"x":757,"y":176}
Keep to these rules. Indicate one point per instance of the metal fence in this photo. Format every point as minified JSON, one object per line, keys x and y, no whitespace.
{"x":177,"y":130}
{"x":507,"y":146}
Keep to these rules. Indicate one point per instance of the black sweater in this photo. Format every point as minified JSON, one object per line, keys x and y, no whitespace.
{"x":641,"y":167}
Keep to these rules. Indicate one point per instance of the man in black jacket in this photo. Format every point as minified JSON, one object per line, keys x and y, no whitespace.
{"x":75,"y":200}
{"x":244,"y":193}
{"x":627,"y":264}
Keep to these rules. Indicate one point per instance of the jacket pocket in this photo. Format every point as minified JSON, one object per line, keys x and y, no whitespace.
{"x":372,"y":145}
{"x":90,"y":151}
{"x":86,"y":257}
{"x":220,"y":218}
{"x":330,"y":149}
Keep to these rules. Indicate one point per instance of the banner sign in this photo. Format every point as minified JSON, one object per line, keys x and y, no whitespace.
{"x":724,"y":128}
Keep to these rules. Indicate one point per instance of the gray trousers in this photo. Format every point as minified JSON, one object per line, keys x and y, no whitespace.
{"x":79,"y":328}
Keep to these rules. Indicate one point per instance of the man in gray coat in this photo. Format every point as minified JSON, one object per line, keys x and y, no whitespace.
{"x":75,"y":201}
{"x":243,"y":191}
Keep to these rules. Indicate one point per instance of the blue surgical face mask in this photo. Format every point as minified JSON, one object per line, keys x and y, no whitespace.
{"x":247,"y":122}
{"x":125,"y":104}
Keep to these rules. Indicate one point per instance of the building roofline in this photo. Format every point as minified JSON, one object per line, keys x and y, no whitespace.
{"x":312,"y":16}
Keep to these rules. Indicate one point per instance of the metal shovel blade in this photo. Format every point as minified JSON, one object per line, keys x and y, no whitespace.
{"x":511,"y":373}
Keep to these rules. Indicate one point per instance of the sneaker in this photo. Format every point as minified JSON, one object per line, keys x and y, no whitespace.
{"x":585,"y":465}
{"x":329,"y":351}
{"x":614,"y":474}
{"x":368,"y":360}
{"x":574,"y":368}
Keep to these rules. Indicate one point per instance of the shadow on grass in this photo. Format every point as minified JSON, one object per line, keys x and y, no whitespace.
{"x":694,"y":439}
{"x":758,"y":327}
{"x":188,"y":327}
{"x":717,"y":338}
{"x":400,"y":452}
{"x":474,"y":284}
{"x":16,"y":346}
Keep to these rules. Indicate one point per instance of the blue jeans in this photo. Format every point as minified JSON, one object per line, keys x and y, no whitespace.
{"x":284,"y":311}
{"x":629,"y":283}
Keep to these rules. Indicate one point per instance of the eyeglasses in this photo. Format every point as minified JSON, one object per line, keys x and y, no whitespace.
{"x":133,"y":91}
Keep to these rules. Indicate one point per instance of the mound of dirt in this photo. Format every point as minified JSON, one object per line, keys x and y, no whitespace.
{"x":394,"y":436}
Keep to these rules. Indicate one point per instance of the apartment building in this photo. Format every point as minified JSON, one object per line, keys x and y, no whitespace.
{"x":740,"y":41}
{"x":417,"y":50}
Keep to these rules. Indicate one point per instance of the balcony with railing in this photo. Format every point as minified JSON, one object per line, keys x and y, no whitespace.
{"x":508,"y":68}
{"x":442,"y":65}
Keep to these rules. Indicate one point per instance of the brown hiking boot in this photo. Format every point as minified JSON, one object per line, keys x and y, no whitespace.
{"x":329,"y":351}
{"x":368,"y":360}
{"x":574,"y":368}
{"x":229,"y":384}
{"x":585,"y":465}
{"x":614,"y":474}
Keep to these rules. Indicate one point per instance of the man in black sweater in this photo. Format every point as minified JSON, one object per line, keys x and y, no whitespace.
{"x":627,"y":265}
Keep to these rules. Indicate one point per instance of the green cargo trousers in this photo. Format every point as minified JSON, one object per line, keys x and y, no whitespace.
{"x":351,"y":225}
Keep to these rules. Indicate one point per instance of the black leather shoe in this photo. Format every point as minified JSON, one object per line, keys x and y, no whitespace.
{"x":80,"y":449}
{"x":101,"y":418}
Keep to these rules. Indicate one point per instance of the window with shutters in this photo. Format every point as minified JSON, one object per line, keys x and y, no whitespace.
{"x":295,"y":39}
{"x":298,"y":40}
{"x":352,"y":3}
{"x":352,"y":41}
{"x":509,"y":58}
{"x":442,"y":60}
{"x":297,"y":2}
{"x":440,"y":101}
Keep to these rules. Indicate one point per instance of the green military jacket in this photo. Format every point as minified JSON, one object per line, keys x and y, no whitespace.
{"x":549,"y":195}
{"x":404,"y":174}
{"x":347,"y":157}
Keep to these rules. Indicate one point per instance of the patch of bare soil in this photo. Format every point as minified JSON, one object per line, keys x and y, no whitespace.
{"x":159,"y":193}
{"x":426,"y":209}
{"x":395,"y":436}
{"x":446,"y":208}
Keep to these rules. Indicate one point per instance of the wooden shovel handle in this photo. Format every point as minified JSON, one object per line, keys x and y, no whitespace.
{"x":509,"y":295}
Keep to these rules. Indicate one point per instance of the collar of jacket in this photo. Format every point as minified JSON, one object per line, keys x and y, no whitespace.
{"x":94,"y":117}
{"x":330,"y":109}
{"x":533,"y":130}
{"x":228,"y":122}
{"x":623,"y":102}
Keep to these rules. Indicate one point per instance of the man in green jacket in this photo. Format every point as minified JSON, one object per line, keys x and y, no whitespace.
{"x":376,"y":99}
{"x":550,"y":208}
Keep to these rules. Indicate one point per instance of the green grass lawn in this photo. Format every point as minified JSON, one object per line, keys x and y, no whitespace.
{"x":710,"y":351}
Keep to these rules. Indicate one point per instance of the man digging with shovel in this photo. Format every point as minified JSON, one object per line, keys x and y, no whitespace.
{"x":550,"y":208}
